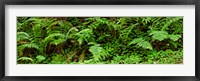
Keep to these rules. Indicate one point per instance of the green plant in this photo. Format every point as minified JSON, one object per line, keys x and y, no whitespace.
{"x":141,"y":43}
{"x":40,"y":58}
{"x":100,"y":40}
{"x":25,"y":60}
{"x":58,"y":59}
{"x":98,"y":52}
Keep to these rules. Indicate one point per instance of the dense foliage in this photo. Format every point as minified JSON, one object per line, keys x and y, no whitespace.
{"x":99,"y":40}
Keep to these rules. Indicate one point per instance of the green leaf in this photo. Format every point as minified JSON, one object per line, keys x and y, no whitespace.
{"x":80,"y":41}
{"x":22,"y":36}
{"x":145,"y":45}
{"x":84,"y":35}
{"x":95,"y":49}
{"x":58,"y":41}
{"x":135,"y":41}
{"x":85,"y":31}
{"x":25,"y":58}
{"x":98,"y":52}
{"x":159,"y":35}
{"x":40,"y":58}
{"x":174,"y":37}
{"x":55,"y":38}
{"x":92,"y":43}
{"x":31,"y":45}
{"x":141,"y":43}
{"x":58,"y":59}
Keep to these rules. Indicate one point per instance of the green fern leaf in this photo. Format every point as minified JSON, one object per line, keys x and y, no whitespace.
{"x":98,"y":52}
{"x":85,"y":31}
{"x":25,"y":58}
{"x":55,"y":38}
{"x":171,"y":21}
{"x":30,"y":45}
{"x":73,"y":28}
{"x":58,"y":41}
{"x":145,"y":45}
{"x":173,"y":43}
{"x":159,"y":35}
{"x":84,"y":35}
{"x":40,"y":58}
{"x":141,"y":43}
{"x":80,"y":40}
{"x":174,"y":37}
{"x":54,"y":23}
{"x":22,"y":36}
{"x":135,"y":41}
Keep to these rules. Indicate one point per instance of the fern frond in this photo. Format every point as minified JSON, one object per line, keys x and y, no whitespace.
{"x":55,"y":26}
{"x":135,"y":41}
{"x":98,"y":52}
{"x":30,"y":45}
{"x":141,"y":43}
{"x":97,"y":22}
{"x":23,"y":33}
{"x":174,"y":37}
{"x":80,"y":40}
{"x":102,"y":20}
{"x":73,"y":28}
{"x":145,"y":45}
{"x":40,"y":58}
{"x":170,"y":21}
{"x":22,"y":36}
{"x":147,"y":20}
{"x":85,"y":31}
{"x":84,"y":35}
{"x":159,"y":35}
{"x":25,"y":59}
{"x":54,"y":23}
{"x":58,"y":41}
{"x":24,"y":46}
{"x":55,"y":38}
{"x":173,"y":43}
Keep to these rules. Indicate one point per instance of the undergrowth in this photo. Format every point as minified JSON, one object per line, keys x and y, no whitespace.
{"x":100,"y":40}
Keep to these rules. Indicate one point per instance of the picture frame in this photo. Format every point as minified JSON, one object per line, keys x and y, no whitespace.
{"x":3,"y":3}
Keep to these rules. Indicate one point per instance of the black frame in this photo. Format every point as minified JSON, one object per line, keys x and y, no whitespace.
{"x":100,"y":2}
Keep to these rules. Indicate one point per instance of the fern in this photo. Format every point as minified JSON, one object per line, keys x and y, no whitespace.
{"x":25,"y":59}
{"x":55,"y":38}
{"x":84,"y":35}
{"x":73,"y":28}
{"x":98,"y":52}
{"x":58,"y":59}
{"x":24,"y":46}
{"x":40,"y":58}
{"x":31,"y":45}
{"x":96,"y":22}
{"x":170,"y":21}
{"x":38,"y":27}
{"x":162,"y":35}
{"x":22,"y":36}
{"x":127,"y":31}
{"x":159,"y":35}
{"x":141,"y":43}
{"x":135,"y":41}
{"x":147,"y":20}
{"x":174,"y":37}
{"x":99,"y":40}
{"x":58,"y":26}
